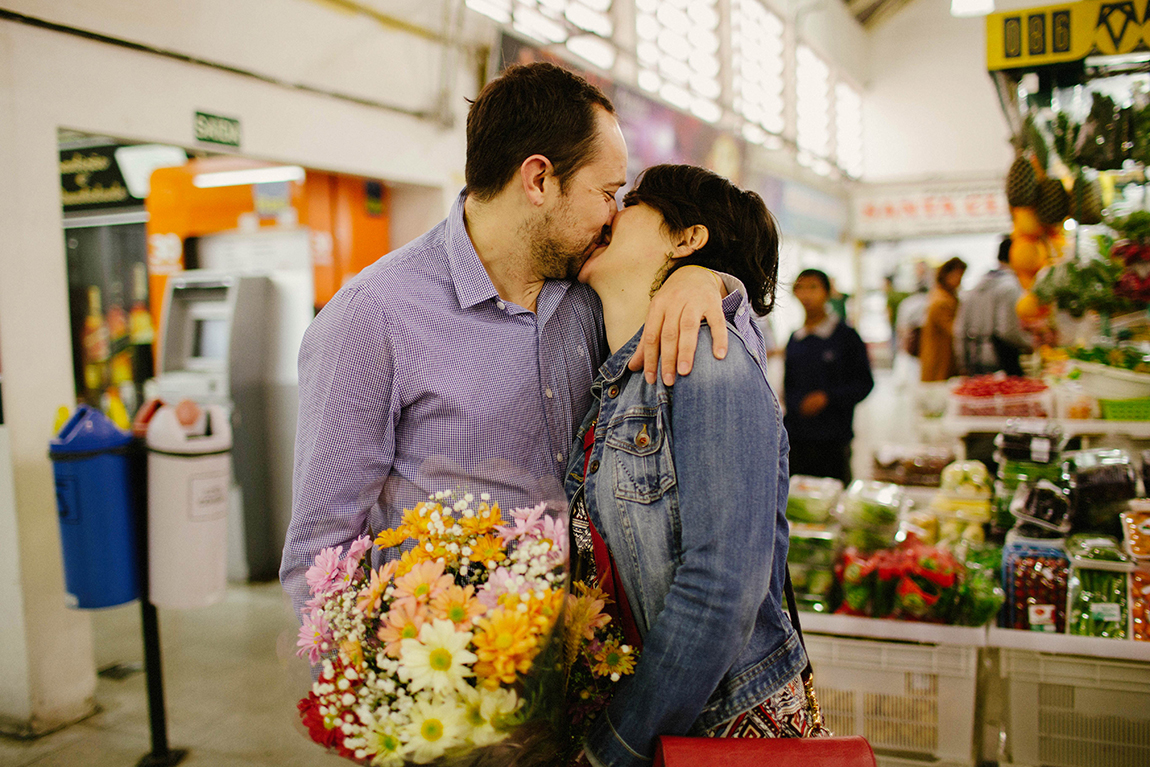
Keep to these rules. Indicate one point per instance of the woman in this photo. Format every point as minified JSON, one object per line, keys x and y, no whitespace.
{"x":937,"y":343}
{"x":687,"y":485}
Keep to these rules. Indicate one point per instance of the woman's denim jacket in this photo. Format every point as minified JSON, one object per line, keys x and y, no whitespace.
{"x":688,"y":486}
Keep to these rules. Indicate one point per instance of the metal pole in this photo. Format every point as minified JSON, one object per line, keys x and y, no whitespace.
{"x":161,"y":755}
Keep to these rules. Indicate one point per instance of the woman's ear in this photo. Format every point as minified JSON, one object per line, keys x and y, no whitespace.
{"x":693,"y":238}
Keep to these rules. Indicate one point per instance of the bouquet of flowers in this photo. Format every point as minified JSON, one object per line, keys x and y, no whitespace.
{"x":425,"y":658}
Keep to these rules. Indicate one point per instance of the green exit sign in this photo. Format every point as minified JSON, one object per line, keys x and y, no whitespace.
{"x":214,"y":129}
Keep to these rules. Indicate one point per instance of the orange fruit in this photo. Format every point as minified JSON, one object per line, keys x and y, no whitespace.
{"x":1029,"y":308}
{"x":1026,"y":223}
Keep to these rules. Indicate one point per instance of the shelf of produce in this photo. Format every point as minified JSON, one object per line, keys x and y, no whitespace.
{"x":902,"y":631}
{"x":960,"y":425}
{"x":1064,"y":644}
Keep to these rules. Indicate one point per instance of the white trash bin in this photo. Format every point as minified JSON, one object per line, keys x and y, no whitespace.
{"x":189,"y":477}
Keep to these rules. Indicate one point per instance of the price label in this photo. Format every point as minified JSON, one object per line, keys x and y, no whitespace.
{"x":1110,"y":612}
{"x":1041,"y":618}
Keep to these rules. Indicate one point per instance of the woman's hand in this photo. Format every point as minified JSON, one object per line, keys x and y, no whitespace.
{"x":671,"y":332}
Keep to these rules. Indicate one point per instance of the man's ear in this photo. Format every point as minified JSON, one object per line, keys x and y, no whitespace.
{"x":534,"y":173}
{"x":692,"y":239}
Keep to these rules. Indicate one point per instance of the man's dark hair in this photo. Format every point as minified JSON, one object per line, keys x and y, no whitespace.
{"x":817,"y":274}
{"x":531,"y":109}
{"x":743,"y":238}
{"x":952,"y":264}
{"x":1004,"y":249}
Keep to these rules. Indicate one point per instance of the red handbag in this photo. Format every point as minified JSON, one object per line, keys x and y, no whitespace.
{"x":852,"y":751}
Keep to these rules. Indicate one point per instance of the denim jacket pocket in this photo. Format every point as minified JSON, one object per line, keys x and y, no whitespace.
{"x":642,"y":455}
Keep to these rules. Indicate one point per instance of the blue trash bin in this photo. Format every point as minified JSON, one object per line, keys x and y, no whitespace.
{"x":96,"y":500}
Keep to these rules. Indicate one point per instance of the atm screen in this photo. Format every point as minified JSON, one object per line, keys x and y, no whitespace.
{"x":210,"y":339}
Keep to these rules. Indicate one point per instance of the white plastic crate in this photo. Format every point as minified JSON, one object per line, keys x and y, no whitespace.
{"x":1071,"y":711}
{"x":906,"y":699}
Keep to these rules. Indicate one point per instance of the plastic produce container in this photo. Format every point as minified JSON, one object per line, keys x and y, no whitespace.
{"x":1098,"y":603}
{"x":95,"y":498}
{"x":811,"y":499}
{"x":1101,"y":482}
{"x":189,"y":479}
{"x":869,"y":514}
{"x":1035,"y":577}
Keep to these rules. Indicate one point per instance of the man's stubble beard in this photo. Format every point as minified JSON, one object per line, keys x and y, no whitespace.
{"x":553,"y":257}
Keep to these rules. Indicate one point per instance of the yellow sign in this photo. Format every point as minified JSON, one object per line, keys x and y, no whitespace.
{"x":1056,"y":34}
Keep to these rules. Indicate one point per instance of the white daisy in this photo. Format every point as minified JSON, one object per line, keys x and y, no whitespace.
{"x":485,"y":711}
{"x":436,"y":726}
{"x":438,"y":660}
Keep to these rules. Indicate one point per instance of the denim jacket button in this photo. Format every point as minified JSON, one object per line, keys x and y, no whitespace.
{"x":594,"y":467}
{"x":613,"y":392}
{"x":642,"y":440}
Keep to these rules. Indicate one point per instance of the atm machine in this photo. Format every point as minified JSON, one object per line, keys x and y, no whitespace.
{"x":213,"y":342}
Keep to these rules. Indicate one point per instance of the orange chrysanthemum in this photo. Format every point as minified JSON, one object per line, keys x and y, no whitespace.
{"x":487,"y":548}
{"x":505,"y":644}
{"x":371,"y":595}
{"x":613,"y":659}
{"x":401,"y":622}
{"x":389,"y":538}
{"x":409,"y":560}
{"x":422,"y":583}
{"x":458,"y":605}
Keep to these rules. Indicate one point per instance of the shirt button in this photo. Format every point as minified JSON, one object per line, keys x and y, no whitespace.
{"x":594,"y":467}
{"x":501,"y":305}
{"x":559,"y":457}
{"x":549,"y":393}
{"x":613,"y":392}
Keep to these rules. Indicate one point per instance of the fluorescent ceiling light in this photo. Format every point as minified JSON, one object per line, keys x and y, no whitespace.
{"x":971,"y":7}
{"x":250,"y":176}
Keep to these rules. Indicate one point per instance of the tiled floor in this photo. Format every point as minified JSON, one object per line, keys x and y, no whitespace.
{"x":231,"y":676}
{"x":231,"y":682}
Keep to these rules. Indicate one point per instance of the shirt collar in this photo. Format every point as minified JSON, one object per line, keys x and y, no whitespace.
{"x":823,"y":330}
{"x":472,"y":283}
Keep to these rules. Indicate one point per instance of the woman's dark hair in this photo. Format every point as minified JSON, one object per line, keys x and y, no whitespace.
{"x":953,"y":264}
{"x":816,"y":274}
{"x":531,"y":109}
{"x":743,"y":238}
{"x":1004,"y":249}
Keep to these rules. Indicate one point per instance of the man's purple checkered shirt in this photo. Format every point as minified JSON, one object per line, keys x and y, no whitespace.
{"x":417,"y":377}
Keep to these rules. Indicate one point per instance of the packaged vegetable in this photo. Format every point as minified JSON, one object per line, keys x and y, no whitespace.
{"x":1035,"y":445}
{"x":1136,"y":530}
{"x":1140,"y":604}
{"x":1042,"y":504}
{"x":811,"y":499}
{"x":813,"y":545}
{"x":855,"y":572}
{"x":1100,"y":482}
{"x":1097,"y":588}
{"x":871,"y":505}
{"x":979,"y":595}
{"x":911,"y":464}
{"x":1010,"y":475}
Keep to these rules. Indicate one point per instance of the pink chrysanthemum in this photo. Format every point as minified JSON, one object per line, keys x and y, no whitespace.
{"x":527,"y":522}
{"x":355,"y":552}
{"x":313,"y":634}
{"x":501,"y":582}
{"x":323,"y":576}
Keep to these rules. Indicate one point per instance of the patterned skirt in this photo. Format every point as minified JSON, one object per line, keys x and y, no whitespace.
{"x":786,"y":714}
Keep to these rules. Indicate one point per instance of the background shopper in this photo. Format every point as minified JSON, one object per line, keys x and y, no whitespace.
{"x":988,"y":335}
{"x":827,"y":375}
{"x":936,"y":354}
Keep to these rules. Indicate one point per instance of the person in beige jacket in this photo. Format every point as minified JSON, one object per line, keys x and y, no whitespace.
{"x":937,"y":344}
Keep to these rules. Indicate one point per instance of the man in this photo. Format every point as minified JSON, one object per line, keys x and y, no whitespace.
{"x":465,"y":360}
{"x":827,"y":374}
{"x":988,"y":335}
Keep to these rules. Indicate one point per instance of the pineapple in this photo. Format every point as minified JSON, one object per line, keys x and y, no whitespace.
{"x":1053,"y":201}
{"x":1021,"y":184}
{"x":1087,"y":200}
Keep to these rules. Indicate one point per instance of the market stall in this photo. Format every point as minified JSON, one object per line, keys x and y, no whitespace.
{"x":997,"y":609}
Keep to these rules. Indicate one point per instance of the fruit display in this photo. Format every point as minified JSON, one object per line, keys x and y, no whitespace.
{"x":1136,"y":532}
{"x":1034,"y":444}
{"x":1097,"y":599}
{"x":811,"y":499}
{"x":1130,"y":357}
{"x":1002,"y":396}
{"x":966,"y":479}
{"x":1043,"y":504}
{"x":1140,"y":604}
{"x":1132,"y":250}
{"x":1079,"y":286}
{"x":1100,"y":482}
{"x":1035,"y":576}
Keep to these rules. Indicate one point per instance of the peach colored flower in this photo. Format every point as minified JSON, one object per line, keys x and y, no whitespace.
{"x":403,"y":621}
{"x":371,"y":595}
{"x":422,"y":583}
{"x":505,"y":644}
{"x":458,"y":605}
